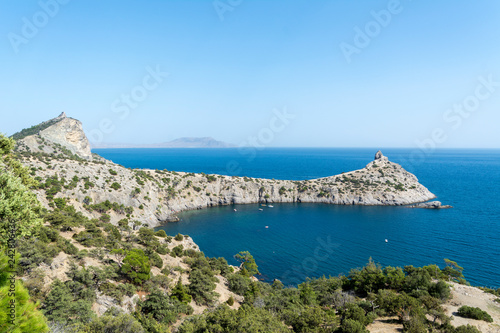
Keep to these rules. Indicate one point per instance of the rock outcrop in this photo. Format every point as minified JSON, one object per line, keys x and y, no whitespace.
{"x":63,"y":131}
{"x":431,"y":205}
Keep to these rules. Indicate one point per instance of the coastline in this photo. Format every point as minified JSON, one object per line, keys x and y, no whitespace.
{"x":162,"y":194}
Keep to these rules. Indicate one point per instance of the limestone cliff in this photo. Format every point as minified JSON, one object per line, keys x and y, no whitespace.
{"x":63,"y":132}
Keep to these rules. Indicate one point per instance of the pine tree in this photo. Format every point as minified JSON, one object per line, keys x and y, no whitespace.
{"x":18,"y":314}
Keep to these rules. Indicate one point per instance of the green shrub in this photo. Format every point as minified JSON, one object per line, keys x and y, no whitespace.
{"x":440,"y":290}
{"x":113,"y":172}
{"x":201,"y":286}
{"x":238,"y":283}
{"x":105,"y":218}
{"x":119,"y":322}
{"x":115,"y":186}
{"x":60,"y":202}
{"x":47,"y":235}
{"x":155,"y":259}
{"x":136,"y":266}
{"x":180,"y":293}
{"x":353,"y":326}
{"x":35,"y":252}
{"x":474,"y":313}
{"x":246,"y":319}
{"x":162,"y":308}
{"x":211,"y":178}
{"x":162,"y":250}
{"x":464,"y":329}
{"x":147,"y":238}
{"x":177,"y":251}
{"x":179,"y":238}
{"x":64,"y":305}
{"x":230,"y":301}
{"x":161,"y":233}
{"x":66,"y":246}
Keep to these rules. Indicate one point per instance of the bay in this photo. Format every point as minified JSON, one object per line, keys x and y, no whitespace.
{"x":310,"y":240}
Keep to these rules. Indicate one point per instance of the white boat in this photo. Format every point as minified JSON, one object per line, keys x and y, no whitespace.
{"x":386,"y":240}
{"x":235,"y":210}
{"x":267,"y":226}
{"x":260,"y":209}
{"x":270,"y":206}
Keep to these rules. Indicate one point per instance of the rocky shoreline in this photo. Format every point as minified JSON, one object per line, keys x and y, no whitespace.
{"x":156,"y":196}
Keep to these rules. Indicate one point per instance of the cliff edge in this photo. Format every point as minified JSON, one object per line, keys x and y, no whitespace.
{"x":65,"y":133}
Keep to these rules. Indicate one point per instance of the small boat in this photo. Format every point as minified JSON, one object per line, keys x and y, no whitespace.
{"x":260,"y":209}
{"x":263,"y":205}
{"x":267,"y":227}
{"x":386,"y":240}
{"x":270,"y":206}
{"x":235,"y":210}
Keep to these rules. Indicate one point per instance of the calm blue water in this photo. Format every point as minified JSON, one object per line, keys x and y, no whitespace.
{"x":315,"y":239}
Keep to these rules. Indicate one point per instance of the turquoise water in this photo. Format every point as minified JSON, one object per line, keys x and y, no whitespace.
{"x":315,"y":239}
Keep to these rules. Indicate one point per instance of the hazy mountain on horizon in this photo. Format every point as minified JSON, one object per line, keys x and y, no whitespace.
{"x":186,"y":142}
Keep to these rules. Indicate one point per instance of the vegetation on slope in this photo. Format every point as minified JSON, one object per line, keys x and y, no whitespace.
{"x":34,"y":129}
{"x":153,"y":282}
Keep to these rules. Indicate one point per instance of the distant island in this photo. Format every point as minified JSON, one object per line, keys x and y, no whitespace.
{"x":188,"y":142}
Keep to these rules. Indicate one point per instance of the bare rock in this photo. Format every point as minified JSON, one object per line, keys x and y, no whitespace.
{"x":431,"y":205}
{"x":63,"y":131}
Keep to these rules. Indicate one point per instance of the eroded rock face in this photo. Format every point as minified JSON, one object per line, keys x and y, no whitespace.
{"x":69,"y":133}
{"x":64,"y":131}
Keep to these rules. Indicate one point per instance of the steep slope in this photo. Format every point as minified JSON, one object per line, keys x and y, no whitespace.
{"x":56,"y":135}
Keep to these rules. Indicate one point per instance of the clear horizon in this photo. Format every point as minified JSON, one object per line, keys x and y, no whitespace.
{"x":393,"y":74}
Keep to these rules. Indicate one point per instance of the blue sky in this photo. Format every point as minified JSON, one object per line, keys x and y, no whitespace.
{"x":416,"y":76}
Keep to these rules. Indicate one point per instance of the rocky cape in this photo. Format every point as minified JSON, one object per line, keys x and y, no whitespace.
{"x":153,"y":197}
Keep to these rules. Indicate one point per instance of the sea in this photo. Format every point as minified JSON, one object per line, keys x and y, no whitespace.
{"x":293,"y":241}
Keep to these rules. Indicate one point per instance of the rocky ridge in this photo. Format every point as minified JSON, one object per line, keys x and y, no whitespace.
{"x":155,"y":196}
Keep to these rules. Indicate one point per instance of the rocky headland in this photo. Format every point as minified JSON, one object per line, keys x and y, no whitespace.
{"x":59,"y":157}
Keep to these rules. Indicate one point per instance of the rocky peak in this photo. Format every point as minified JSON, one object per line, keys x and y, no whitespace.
{"x":64,"y":131}
{"x":380,"y":156}
{"x":68,"y":132}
